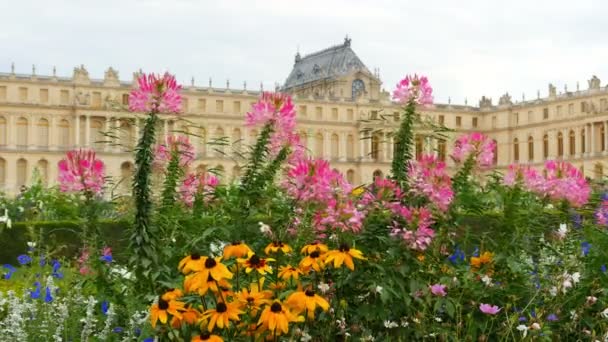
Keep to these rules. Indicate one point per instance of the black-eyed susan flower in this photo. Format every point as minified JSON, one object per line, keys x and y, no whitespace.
{"x":172,"y":294}
{"x":192,"y":263}
{"x":276,"y":318}
{"x":214,"y":268}
{"x":195,"y":283}
{"x":276,"y":246}
{"x":160,"y":311}
{"x":289,"y":272}
{"x":314,"y":260}
{"x":189,"y":316}
{"x":236,"y":249}
{"x":314,"y":247}
{"x":222,"y":315}
{"x":343,"y":255}
{"x":254,"y":263}
{"x":308,"y":301}
{"x":253,"y":299}
{"x":206,"y":337}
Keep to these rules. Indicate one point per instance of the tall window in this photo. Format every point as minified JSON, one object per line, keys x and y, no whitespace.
{"x":219,"y":135}
{"x":598,"y":171}
{"x":419,"y":145}
{"x":97,"y":132}
{"x":335,"y":146}
{"x":350,"y":176}
{"x":44,"y":95}
{"x":3,"y":131}
{"x":2,"y":173}
{"x":583,"y":141}
{"x":375,"y":147}
{"x":530,"y":148}
{"x":516,"y":149}
{"x":202,"y":105}
{"x":236,"y":107}
{"x":545,"y":146}
{"x":125,"y":99}
{"x":319,"y":145}
{"x":21,"y":172}
{"x":126,"y":174}
{"x":458,"y":121}
{"x":43,"y":133}
{"x":23,"y":94}
{"x":350,"y":147}
{"x":22,"y":132}
{"x":319,"y":113}
{"x":571,"y":143}
{"x":96,"y":100}
{"x":377,"y":174}
{"x":560,"y":144}
{"x":358,"y":88}
{"x":602,"y":138}
{"x":302,"y":111}
{"x":545,"y":113}
{"x":350,"y":114}
{"x":237,"y":138}
{"x":441,"y":149}
{"x":495,"y":152}
{"x":334,"y":114}
{"x":219,"y":106}
{"x":43,"y":170}
{"x":474,"y":122}
{"x":64,"y":97}
{"x":441,"y":119}
{"x":64,"y":133}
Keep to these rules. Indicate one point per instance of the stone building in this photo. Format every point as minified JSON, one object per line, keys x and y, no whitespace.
{"x":344,"y":115}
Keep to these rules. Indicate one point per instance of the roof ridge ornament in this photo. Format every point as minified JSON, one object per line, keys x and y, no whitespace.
{"x":347,"y":41}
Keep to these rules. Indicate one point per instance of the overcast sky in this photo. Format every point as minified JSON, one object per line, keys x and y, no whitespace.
{"x":467,"y":48}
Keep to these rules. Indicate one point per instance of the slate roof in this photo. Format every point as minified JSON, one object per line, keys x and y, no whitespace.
{"x":330,"y":63}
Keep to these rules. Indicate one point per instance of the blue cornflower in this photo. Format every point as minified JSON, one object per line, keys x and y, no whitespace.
{"x":118,"y":330}
{"x":56,"y":266}
{"x":585,"y":247}
{"x":105,"y":305}
{"x":137,"y":332}
{"x":24,"y":259}
{"x":603,"y":268}
{"x":522,"y":318}
{"x":48,"y":298}
{"x":149,"y":339}
{"x":533,"y":313}
{"x":552,"y":318}
{"x":577,"y":219}
{"x":42,"y":261}
{"x":10,"y":271}
{"x":36,"y":293}
{"x":457,"y":256}
{"x":106,"y":258}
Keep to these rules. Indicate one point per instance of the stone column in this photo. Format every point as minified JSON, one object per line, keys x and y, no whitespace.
{"x":106,"y":129}
{"x":53,"y":136}
{"x":342,"y":149}
{"x":605,"y":123}
{"x":592,"y":144}
{"x":389,"y":147}
{"x":326,"y":145}
{"x":587,"y":147}
{"x":32,"y":138}
{"x":384,"y":152}
{"x":77,"y":126}
{"x":11,"y":131}
{"x":165,"y":129}
{"x":87,"y":130}
{"x":310,"y":150}
{"x":362,"y":146}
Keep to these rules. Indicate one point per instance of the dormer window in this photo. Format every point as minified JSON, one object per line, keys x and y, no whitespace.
{"x":358,"y":88}
{"x":316,"y":69}
{"x":299,"y":74}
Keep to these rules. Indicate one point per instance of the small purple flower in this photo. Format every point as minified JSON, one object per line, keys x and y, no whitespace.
{"x":522,"y":319}
{"x":137,"y":332}
{"x":118,"y":330}
{"x":438,"y":290}
{"x":10,"y":271}
{"x":603,"y":268}
{"x":489,"y":309}
{"x":42,"y":261}
{"x":457,"y":256}
{"x":552,"y":318}
{"x":585,"y":247}
{"x":48,"y":298}
{"x":24,"y":259}
{"x":36,"y":293}
{"x":105,"y":305}
{"x":56,"y":273}
{"x":149,"y":339}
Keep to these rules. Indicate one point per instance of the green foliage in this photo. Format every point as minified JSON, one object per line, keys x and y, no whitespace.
{"x":404,"y":145}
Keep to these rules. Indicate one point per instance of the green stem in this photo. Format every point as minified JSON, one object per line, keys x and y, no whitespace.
{"x":174,"y":172}
{"x":404,"y":145}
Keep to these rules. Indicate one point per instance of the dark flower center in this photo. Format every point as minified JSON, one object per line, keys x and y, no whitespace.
{"x":344,"y":248}
{"x":278,"y":244}
{"x":250,"y":299}
{"x":210,"y":278}
{"x":310,"y":293}
{"x":255,"y":260}
{"x":315,"y":254}
{"x":276,"y":307}
{"x":163,"y":304}
{"x":205,"y":336}
{"x":221,"y":307}
{"x":236,"y":243}
{"x":210,"y":263}
{"x":195,"y":256}
{"x":170,"y":289}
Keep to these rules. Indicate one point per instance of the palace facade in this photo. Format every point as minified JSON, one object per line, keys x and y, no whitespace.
{"x":343,"y":115}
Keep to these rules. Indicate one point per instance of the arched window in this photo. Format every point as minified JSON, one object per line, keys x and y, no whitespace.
{"x":377,"y":174}
{"x":319,"y":145}
{"x":126,"y":135}
{"x":583,"y":141}
{"x":350,"y":147}
{"x":21,"y":172}
{"x":560,"y":144}
{"x":571,"y":143}
{"x":375,"y":147}
{"x":97,"y":133}
{"x":335,"y":146}
{"x":126,"y":174}
{"x":43,"y":170}
{"x":22,"y":138}
{"x":3,"y":132}
{"x":220,"y":173}
{"x":64,"y":133}
{"x":545,"y":146}
{"x":441,"y":149}
{"x":43,"y":133}
{"x":2,"y":173}
{"x":219,"y":140}
{"x":530,"y":148}
{"x":237,"y":138}
{"x":515,"y":150}
{"x":350,"y":176}
{"x":598,"y":171}
{"x":202,"y":141}
{"x":419,"y":145}
{"x":495,"y":161}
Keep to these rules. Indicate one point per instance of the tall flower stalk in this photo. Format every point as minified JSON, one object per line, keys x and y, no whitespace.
{"x":411,"y":91}
{"x":154,"y":95}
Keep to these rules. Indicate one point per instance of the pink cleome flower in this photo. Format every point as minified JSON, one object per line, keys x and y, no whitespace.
{"x":80,"y":170}
{"x":438,"y":290}
{"x":476,"y":145}
{"x":313,"y":180}
{"x":414,"y":88}
{"x":601,"y":214}
{"x":415,"y":230}
{"x":429,"y":178}
{"x":489,"y":309}
{"x":197,"y":185}
{"x":156,"y":94}
{"x":174,"y":143}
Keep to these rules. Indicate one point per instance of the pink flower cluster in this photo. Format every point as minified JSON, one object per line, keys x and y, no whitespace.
{"x":197,"y":185}
{"x":80,"y":170}
{"x":476,"y":145}
{"x":414,"y":88}
{"x":601,"y":213}
{"x":312,"y":183}
{"x":174,"y":143}
{"x":429,"y":178}
{"x":277,"y":109}
{"x":383,"y":193}
{"x":156,"y":94}
{"x":563,"y":181}
{"x":416,"y":232}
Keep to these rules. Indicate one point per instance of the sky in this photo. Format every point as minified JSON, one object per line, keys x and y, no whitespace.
{"x":466,"y":48}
